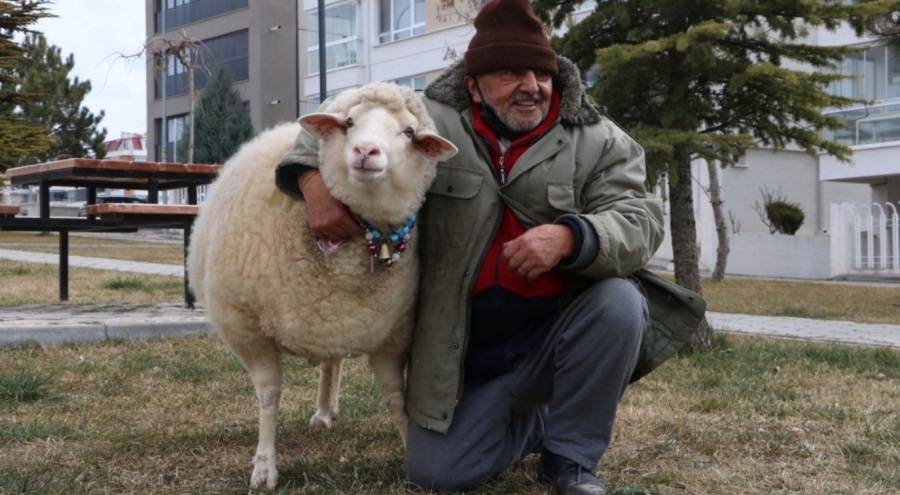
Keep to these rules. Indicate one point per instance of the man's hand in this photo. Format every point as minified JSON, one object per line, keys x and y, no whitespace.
{"x":538,"y":250}
{"x":327,"y":217}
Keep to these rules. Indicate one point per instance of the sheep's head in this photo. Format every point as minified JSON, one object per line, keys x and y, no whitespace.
{"x":375,"y":138}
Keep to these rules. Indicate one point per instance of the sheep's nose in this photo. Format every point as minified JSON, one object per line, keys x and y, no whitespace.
{"x":366,"y":150}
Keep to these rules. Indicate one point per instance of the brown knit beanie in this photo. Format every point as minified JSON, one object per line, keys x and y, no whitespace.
{"x":509,"y":36}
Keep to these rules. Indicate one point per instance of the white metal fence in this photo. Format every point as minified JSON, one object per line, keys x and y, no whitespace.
{"x":865,"y":238}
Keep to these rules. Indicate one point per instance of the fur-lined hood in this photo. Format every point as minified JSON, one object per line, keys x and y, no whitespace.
{"x":576,"y":107}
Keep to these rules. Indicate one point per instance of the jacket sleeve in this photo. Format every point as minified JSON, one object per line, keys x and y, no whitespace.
{"x":302,"y":156}
{"x":627,"y":221}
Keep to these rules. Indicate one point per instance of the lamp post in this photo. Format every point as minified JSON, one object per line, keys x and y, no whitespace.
{"x":323,"y":86}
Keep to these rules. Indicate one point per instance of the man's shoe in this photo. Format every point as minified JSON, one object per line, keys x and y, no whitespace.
{"x":569,"y":477}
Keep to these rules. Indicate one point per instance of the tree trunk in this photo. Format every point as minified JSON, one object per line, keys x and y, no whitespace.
{"x":684,"y":240}
{"x":715,"y":199}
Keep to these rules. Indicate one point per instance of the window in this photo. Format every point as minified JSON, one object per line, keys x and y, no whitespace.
{"x":341,"y":37}
{"x":415,"y":82}
{"x":867,"y":125}
{"x":181,"y":12}
{"x":231,"y":50}
{"x":175,"y":132}
{"x":874,"y":75}
{"x":401,"y":19}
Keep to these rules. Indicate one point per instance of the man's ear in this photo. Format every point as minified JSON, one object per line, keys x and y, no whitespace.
{"x":474,"y":90}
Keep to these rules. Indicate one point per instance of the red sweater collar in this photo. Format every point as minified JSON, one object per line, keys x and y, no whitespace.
{"x":486,"y":132}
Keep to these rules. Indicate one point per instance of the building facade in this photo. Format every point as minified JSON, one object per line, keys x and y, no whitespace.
{"x":407,"y":41}
{"x":255,"y":40}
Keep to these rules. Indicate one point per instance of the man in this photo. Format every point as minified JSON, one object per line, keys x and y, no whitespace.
{"x":528,"y":330}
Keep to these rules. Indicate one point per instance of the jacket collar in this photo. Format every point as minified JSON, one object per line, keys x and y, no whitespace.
{"x":576,"y":107}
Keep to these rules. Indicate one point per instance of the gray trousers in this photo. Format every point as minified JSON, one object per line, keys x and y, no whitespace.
{"x":562,"y":398}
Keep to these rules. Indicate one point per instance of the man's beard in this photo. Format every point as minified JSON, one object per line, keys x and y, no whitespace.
{"x":522,"y":125}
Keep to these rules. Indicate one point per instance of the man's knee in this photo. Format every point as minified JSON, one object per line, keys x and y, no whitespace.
{"x":437,"y":476}
{"x":616,"y":304}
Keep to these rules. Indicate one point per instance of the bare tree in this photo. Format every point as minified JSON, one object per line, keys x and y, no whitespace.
{"x":735,"y":223}
{"x":189,"y":52}
{"x":715,"y":199}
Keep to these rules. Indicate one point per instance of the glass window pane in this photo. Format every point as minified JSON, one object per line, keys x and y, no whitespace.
{"x":420,"y":11}
{"x":402,"y":14}
{"x":384,"y":13}
{"x":312,"y":28}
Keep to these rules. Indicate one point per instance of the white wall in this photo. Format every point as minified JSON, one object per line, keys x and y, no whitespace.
{"x":793,"y":173}
{"x":780,"y":256}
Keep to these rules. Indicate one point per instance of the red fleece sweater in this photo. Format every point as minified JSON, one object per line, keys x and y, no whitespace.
{"x":495,"y":271}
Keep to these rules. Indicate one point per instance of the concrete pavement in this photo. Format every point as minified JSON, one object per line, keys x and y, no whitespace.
{"x":54,"y":324}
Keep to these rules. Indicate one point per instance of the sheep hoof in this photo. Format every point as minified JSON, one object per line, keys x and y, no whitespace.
{"x":265,"y":475}
{"x":321,"y":421}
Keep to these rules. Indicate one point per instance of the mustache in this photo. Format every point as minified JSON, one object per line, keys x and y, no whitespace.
{"x":521,"y":97}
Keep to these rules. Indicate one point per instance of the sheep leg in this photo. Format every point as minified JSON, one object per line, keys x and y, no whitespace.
{"x":328,"y":395}
{"x":388,"y":371}
{"x":262,"y":360}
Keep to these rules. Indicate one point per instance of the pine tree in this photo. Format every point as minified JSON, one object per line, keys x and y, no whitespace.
{"x":56,"y":103}
{"x":710,"y":80}
{"x":886,"y":28}
{"x":17,"y":137}
{"x":221,"y":121}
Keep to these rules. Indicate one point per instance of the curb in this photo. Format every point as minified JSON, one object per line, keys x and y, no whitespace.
{"x":48,"y":334}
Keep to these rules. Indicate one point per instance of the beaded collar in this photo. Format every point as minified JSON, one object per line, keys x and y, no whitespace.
{"x":380,"y":246}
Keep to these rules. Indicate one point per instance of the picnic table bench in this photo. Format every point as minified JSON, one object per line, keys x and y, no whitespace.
{"x":142,"y":214}
{"x":9,"y":211}
{"x":94,"y":174}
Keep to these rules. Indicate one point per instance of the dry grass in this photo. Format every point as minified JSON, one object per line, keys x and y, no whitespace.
{"x":98,"y":246}
{"x":753,"y":416}
{"x":834,"y":301}
{"x":35,"y":283}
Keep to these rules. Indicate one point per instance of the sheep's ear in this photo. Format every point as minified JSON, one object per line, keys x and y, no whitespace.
{"x":321,"y":125}
{"x":433,"y":146}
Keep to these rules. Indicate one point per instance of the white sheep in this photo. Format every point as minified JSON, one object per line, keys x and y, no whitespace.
{"x":268,"y":287}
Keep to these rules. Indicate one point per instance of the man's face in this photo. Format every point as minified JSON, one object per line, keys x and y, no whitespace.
{"x":520,"y":98}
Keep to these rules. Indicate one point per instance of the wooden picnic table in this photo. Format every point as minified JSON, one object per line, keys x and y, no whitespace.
{"x":94,"y":174}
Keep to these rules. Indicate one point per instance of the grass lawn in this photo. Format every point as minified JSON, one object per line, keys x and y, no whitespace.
{"x":752,"y":416}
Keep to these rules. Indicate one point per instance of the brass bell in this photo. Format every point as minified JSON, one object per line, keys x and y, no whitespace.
{"x":384,"y":255}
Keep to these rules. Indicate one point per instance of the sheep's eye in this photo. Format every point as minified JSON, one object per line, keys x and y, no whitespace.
{"x":349,"y":123}
{"x":409,"y":131}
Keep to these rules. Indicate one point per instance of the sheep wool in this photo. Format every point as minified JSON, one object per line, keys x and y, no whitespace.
{"x":267,"y":286}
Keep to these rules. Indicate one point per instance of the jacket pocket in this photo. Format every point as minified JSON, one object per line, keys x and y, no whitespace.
{"x":561,"y":195}
{"x":675,"y":314}
{"x":449,"y":207}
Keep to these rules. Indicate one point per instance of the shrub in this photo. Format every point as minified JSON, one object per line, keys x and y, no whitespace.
{"x":785,"y":217}
{"x":778,"y":214}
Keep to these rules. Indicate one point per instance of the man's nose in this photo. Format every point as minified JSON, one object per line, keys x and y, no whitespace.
{"x":528,"y":81}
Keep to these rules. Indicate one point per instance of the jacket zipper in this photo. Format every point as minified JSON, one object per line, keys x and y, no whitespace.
{"x":465,"y":344}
